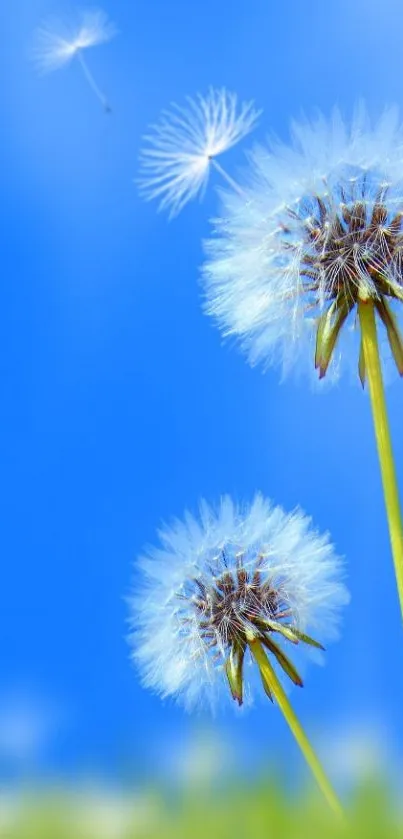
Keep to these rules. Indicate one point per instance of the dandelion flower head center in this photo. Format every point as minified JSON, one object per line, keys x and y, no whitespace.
{"x":348,"y":239}
{"x":238,"y":598}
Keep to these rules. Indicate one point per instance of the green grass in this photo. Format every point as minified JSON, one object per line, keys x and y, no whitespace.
{"x":259,"y":812}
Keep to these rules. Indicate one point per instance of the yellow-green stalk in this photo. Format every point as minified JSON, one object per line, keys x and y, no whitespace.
{"x":329,"y":327}
{"x":273,"y":686}
{"x":373,"y":372}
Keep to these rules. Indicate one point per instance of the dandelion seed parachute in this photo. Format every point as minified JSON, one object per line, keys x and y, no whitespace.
{"x":57,"y":43}
{"x":227,"y":575}
{"x":182,"y":146}
{"x":320,"y":227}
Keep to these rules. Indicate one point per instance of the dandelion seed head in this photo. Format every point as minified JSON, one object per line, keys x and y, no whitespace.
{"x":322,"y":219}
{"x":56,"y":42}
{"x":220,"y":576}
{"x":175,"y":164}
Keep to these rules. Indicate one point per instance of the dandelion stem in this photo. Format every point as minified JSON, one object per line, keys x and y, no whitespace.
{"x":227,"y":177}
{"x":268,"y":674}
{"x":382,"y":433}
{"x":92,"y":83}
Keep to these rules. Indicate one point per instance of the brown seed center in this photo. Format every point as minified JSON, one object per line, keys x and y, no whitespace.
{"x":343,"y":246}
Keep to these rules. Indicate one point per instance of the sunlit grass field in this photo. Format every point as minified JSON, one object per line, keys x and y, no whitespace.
{"x":241,"y":812}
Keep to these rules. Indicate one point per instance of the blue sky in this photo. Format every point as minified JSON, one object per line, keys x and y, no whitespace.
{"x":121,"y":406}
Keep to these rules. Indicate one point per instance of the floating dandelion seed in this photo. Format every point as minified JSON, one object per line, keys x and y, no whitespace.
{"x":313,"y":256}
{"x":185,"y":143}
{"x":57,"y":44}
{"x":233,"y":587}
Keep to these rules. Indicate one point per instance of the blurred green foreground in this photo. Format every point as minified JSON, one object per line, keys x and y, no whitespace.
{"x":238,"y":812}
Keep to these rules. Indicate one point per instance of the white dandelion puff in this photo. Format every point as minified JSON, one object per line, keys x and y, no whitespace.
{"x":319,"y":229}
{"x":184,"y":144}
{"x":222,"y":581}
{"x":57,"y":43}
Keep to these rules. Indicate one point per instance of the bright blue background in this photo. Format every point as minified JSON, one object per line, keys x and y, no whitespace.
{"x":120,"y":406}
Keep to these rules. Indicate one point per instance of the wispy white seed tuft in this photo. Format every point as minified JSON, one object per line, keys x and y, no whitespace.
{"x":220,"y":576}
{"x":321,"y":218}
{"x":175,"y":165}
{"x":57,"y":42}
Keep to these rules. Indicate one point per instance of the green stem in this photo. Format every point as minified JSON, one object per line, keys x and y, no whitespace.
{"x":268,"y":673}
{"x":380,"y":417}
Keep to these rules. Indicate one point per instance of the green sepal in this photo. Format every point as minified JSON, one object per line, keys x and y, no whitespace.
{"x":291,"y":633}
{"x":287,"y":631}
{"x":395,"y":290}
{"x":283,"y":661}
{"x":266,"y":685}
{"x":234,"y":671}
{"x":392,"y":329}
{"x":306,"y":639}
{"x":329,"y":326}
{"x":320,"y":332}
